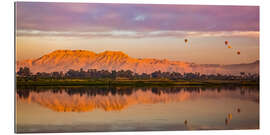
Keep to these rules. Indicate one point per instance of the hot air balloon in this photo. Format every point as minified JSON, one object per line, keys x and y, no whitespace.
{"x":229,"y":46}
{"x":226,"y":121}
{"x":229,"y":116}
{"x":238,"y":52}
{"x":185,"y":122}
{"x":238,"y":110}
{"x":186,"y":40}
{"x":226,"y":42}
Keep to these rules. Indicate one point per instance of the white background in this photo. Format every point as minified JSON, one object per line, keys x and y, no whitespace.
{"x":7,"y":65}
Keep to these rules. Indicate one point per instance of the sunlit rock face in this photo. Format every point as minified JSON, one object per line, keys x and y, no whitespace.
{"x":63,"y":60}
{"x":64,"y":102}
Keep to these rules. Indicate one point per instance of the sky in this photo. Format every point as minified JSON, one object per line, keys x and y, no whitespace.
{"x":140,"y":30}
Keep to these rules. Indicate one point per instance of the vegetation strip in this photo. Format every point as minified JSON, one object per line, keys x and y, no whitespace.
{"x":129,"y":83}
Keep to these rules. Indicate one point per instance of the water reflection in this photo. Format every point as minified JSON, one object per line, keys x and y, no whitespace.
{"x":83,"y":99}
{"x":71,"y":109}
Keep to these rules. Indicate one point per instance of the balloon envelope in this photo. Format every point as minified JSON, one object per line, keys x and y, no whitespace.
{"x":229,"y":116}
{"x":186,"y":40}
{"x":226,"y":42}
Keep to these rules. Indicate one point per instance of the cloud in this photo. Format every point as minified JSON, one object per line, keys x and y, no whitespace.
{"x":134,"y":34}
{"x":253,"y":34}
{"x":140,"y":18}
{"x":83,"y":17}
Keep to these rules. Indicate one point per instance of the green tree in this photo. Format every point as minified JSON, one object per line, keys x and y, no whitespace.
{"x":24,"y":72}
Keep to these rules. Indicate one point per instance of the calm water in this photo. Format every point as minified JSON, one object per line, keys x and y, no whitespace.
{"x":73,"y":109}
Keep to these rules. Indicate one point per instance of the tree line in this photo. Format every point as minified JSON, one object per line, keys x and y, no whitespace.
{"x":24,"y":72}
{"x":121,"y":91}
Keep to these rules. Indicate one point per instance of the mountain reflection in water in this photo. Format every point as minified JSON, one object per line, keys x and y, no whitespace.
{"x":87,"y":99}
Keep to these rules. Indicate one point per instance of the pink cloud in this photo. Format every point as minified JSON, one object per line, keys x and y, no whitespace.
{"x":85,"y":17}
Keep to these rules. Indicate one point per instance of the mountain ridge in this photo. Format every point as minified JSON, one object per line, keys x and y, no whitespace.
{"x":63,"y":60}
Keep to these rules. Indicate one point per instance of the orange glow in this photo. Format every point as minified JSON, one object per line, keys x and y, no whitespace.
{"x":62,"y":102}
{"x":63,"y":60}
